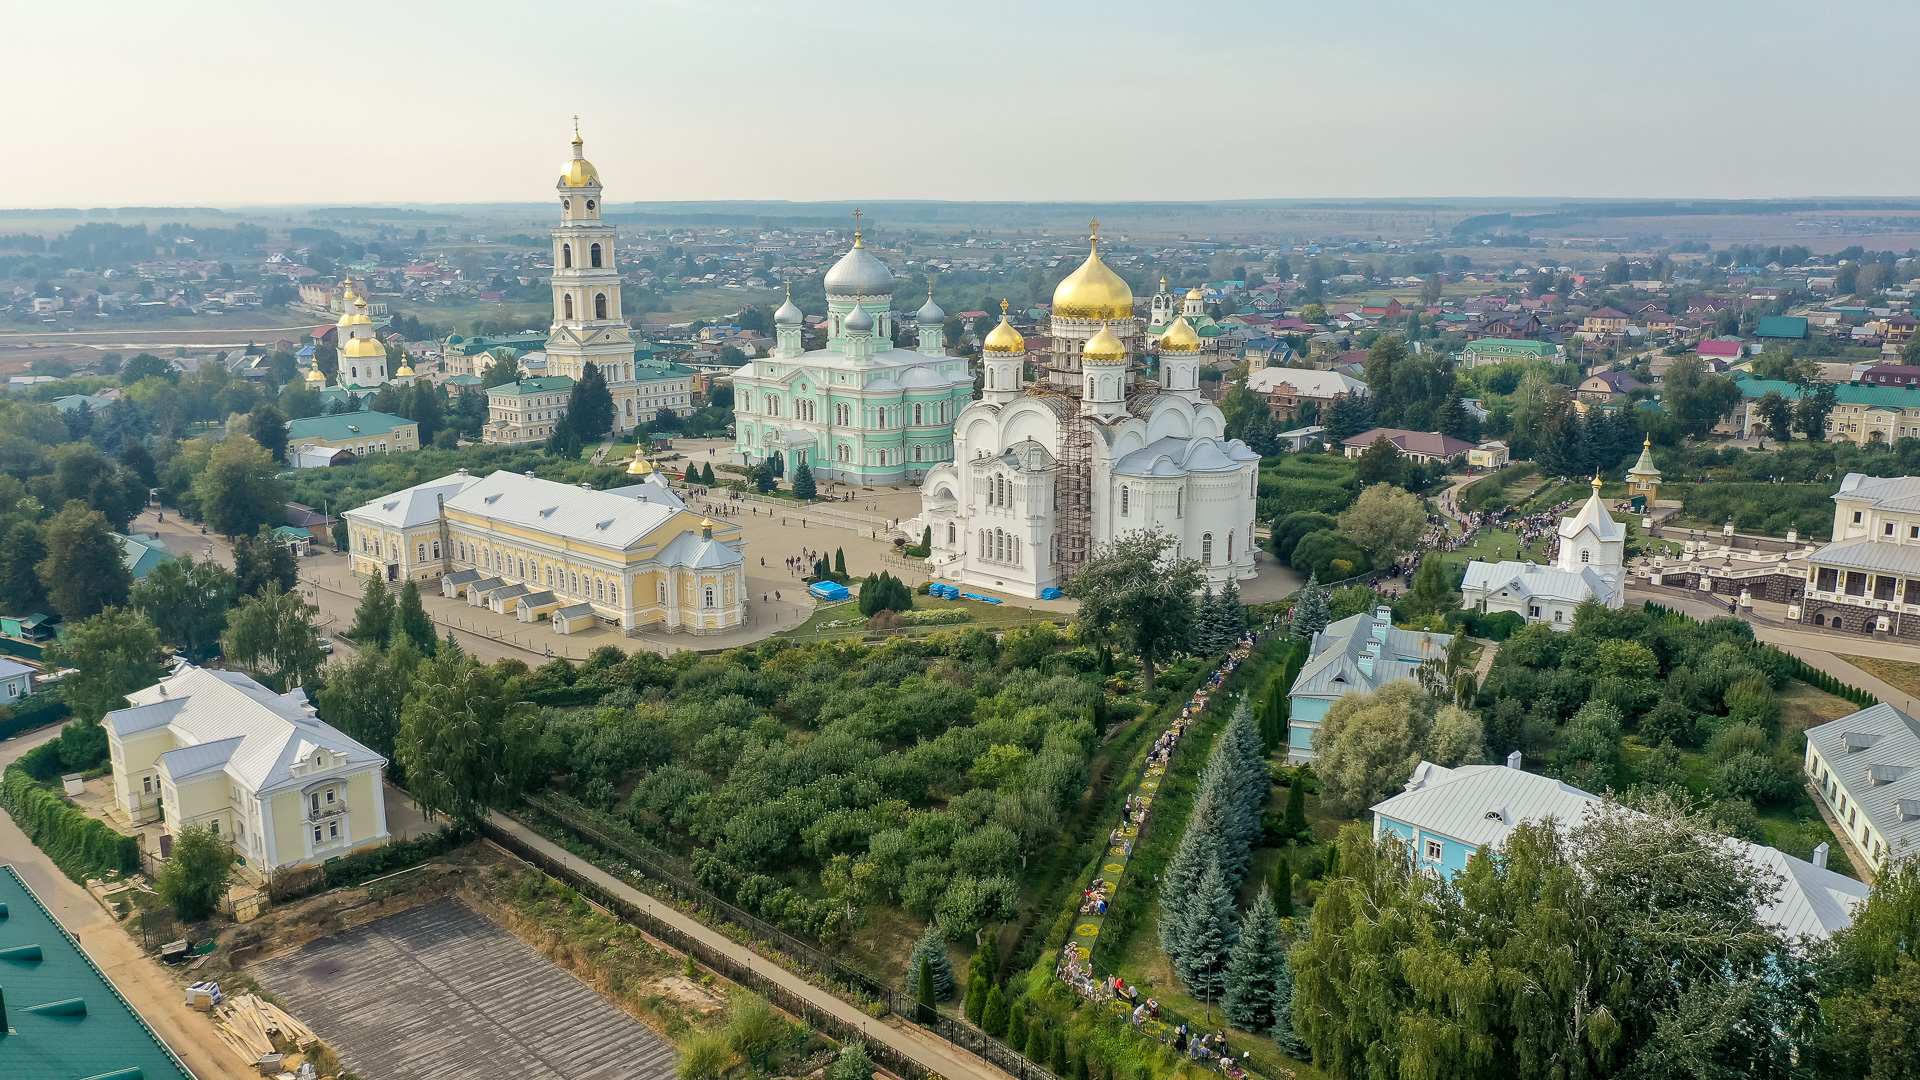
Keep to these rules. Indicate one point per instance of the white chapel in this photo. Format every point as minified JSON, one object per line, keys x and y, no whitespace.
{"x":1590,"y":565}
{"x":1043,"y":473}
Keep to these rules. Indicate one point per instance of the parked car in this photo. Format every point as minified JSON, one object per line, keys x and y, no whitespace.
{"x":326,"y":646}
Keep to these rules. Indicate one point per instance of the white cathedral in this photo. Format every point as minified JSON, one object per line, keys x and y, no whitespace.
{"x":1044,"y":473}
{"x":1591,"y":565}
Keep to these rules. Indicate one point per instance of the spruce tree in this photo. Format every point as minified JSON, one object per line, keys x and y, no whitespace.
{"x":1284,"y":1036}
{"x":1254,"y":967}
{"x":1283,"y":888}
{"x":931,"y":950}
{"x":373,"y":620}
{"x":1233,"y":614}
{"x":839,"y":560}
{"x":979,"y":983}
{"x":1199,"y":848}
{"x":1310,"y":615}
{"x":1331,"y":870}
{"x":803,"y":485}
{"x":1206,"y":636}
{"x":1239,"y":748}
{"x":1017,"y":1027}
{"x":1210,"y":937}
{"x":706,"y":474}
{"x":993,"y":1015}
{"x":410,"y":620}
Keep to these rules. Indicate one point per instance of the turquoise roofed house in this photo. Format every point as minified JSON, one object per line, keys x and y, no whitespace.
{"x":74,"y":401}
{"x":526,"y":411}
{"x":61,"y":1018}
{"x":141,"y":554}
{"x":362,"y":433}
{"x":1791,"y":327}
{"x":1499,"y":350}
{"x":1356,"y":655}
{"x":1862,"y":413}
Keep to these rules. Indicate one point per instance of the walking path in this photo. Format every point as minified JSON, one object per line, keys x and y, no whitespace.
{"x":1075,"y":965}
{"x":933,"y":1053}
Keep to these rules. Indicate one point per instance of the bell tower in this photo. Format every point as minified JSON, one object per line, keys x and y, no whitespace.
{"x":588,"y":327}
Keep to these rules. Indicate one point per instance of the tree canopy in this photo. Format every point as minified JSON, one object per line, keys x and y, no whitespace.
{"x":1135,"y":593}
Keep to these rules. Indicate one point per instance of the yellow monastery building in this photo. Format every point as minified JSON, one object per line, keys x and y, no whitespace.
{"x":627,"y":557}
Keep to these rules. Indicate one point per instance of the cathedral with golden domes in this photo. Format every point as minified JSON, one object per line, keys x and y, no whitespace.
{"x":362,"y":355}
{"x":1045,"y":473}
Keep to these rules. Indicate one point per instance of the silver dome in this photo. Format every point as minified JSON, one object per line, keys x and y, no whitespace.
{"x":858,"y":273}
{"x":789,"y":314}
{"x":859,"y":320}
{"x":930,"y":313}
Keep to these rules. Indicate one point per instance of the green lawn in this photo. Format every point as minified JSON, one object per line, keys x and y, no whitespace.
{"x":985,"y":616}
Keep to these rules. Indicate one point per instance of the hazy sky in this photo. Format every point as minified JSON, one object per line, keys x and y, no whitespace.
{"x":202,"y":103}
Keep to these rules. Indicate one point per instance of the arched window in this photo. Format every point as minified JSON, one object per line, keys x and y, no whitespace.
{"x":1585,"y":555}
{"x":599,"y":305}
{"x":613,"y":592}
{"x":436,"y":549}
{"x":1229,"y":549}
{"x":709,"y":592}
{"x":999,"y":544}
{"x":599,"y":588}
{"x":1253,"y":482}
{"x":420,"y":553}
{"x":1179,"y":503}
{"x":566,"y":256}
{"x":989,"y":378}
{"x":593,"y":253}
{"x":1125,"y":500}
{"x":574,"y":588}
{"x":918,"y":452}
{"x":949,"y":532}
{"x":843,"y":414}
{"x":916,"y":415}
{"x":549,"y":575}
{"x":663,"y":592}
{"x":883,"y":457}
{"x":567,"y":306}
{"x":523,"y":569}
{"x":1206,"y":549}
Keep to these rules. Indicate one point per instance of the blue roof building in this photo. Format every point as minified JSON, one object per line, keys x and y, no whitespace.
{"x":1357,"y":655}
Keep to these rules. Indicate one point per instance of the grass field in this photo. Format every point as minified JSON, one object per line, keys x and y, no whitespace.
{"x":1898,"y":674}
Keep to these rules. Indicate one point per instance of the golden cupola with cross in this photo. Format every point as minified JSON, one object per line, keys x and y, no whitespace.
{"x":1643,"y":480}
{"x":1087,"y":302}
{"x":363,"y":356}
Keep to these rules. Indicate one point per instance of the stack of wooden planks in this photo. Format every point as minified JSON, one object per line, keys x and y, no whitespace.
{"x":250,"y":1025}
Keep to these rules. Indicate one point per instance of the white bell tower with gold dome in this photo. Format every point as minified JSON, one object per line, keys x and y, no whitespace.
{"x":362,"y":355}
{"x":588,"y":327}
{"x":1003,"y":355}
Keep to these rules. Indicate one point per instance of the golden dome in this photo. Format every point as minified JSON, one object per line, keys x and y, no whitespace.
{"x":1104,"y":348}
{"x":639,"y":466}
{"x":362,"y":348}
{"x":706,"y":524}
{"x":1094,"y":291}
{"x":1004,"y":338}
{"x":314,"y":377}
{"x":354,"y":311}
{"x":1195,"y":293}
{"x":579,"y":172}
{"x":1180,"y":337}
{"x":405,"y":372}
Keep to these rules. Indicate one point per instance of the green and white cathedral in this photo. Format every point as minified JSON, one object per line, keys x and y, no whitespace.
{"x":859,"y":410}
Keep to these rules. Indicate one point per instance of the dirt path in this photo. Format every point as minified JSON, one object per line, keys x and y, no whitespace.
{"x":930,"y":1051}
{"x":151,"y":991}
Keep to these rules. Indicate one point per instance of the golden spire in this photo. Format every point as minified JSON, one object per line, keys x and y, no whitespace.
{"x":1163,"y":284}
{"x":1596,"y":481}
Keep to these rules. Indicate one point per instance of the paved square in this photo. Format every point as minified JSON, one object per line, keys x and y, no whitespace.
{"x":441,"y":993}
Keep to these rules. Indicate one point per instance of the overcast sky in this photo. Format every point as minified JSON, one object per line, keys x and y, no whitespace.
{"x":118,"y":103}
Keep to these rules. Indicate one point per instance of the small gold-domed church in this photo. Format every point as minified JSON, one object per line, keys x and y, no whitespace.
{"x":362,"y":355}
{"x":1045,"y":473}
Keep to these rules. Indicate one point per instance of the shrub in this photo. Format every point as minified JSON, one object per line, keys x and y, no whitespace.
{"x":80,"y":846}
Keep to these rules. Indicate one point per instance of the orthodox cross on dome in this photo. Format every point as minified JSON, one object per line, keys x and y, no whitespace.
{"x":1094,"y":227}
{"x":856,"y":225}
{"x":576,"y":128}
{"x":1003,"y":306}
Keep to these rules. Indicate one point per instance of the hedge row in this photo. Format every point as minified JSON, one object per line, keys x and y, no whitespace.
{"x":37,"y":711}
{"x":80,"y":846}
{"x":363,"y":866}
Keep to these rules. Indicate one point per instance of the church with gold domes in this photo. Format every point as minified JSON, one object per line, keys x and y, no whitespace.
{"x":362,"y":355}
{"x":1045,"y":473}
{"x":861,"y":409}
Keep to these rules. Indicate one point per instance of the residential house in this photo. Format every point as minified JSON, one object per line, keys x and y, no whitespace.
{"x":1866,"y":767}
{"x":261,"y":769}
{"x":1861,"y":413}
{"x":1507,"y":326}
{"x":1781,"y":328}
{"x":1604,"y":387}
{"x":1300,"y":438}
{"x":359,"y":433}
{"x":526,"y":411}
{"x":1446,"y":815}
{"x":1499,"y":350}
{"x":141,"y":554}
{"x":1724,"y":349}
{"x":1899,"y":329}
{"x":1356,"y":655}
{"x":16,"y":681}
{"x":1385,"y":307}
{"x":1892,"y":375}
{"x":1421,"y":446}
{"x":1286,"y":389}
{"x":1492,"y":454}
{"x":1867,"y":579}
{"x":1605,"y":320}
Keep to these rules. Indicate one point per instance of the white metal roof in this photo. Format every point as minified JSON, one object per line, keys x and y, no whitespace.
{"x":1593,"y":515}
{"x":601,"y":518}
{"x":1481,"y":804}
{"x":1318,"y":384}
{"x":1878,"y":739}
{"x":416,"y":505}
{"x":1533,"y":580}
{"x":223,"y":719}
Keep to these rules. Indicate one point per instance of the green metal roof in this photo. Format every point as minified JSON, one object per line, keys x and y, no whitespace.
{"x":546,"y":384}
{"x":649,"y":370}
{"x":343,"y":426}
{"x":141,"y":556}
{"x":67,"y":1020}
{"x":1895,"y":397}
{"x":475,"y":345}
{"x":1510,"y":345}
{"x":1781,"y":326}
